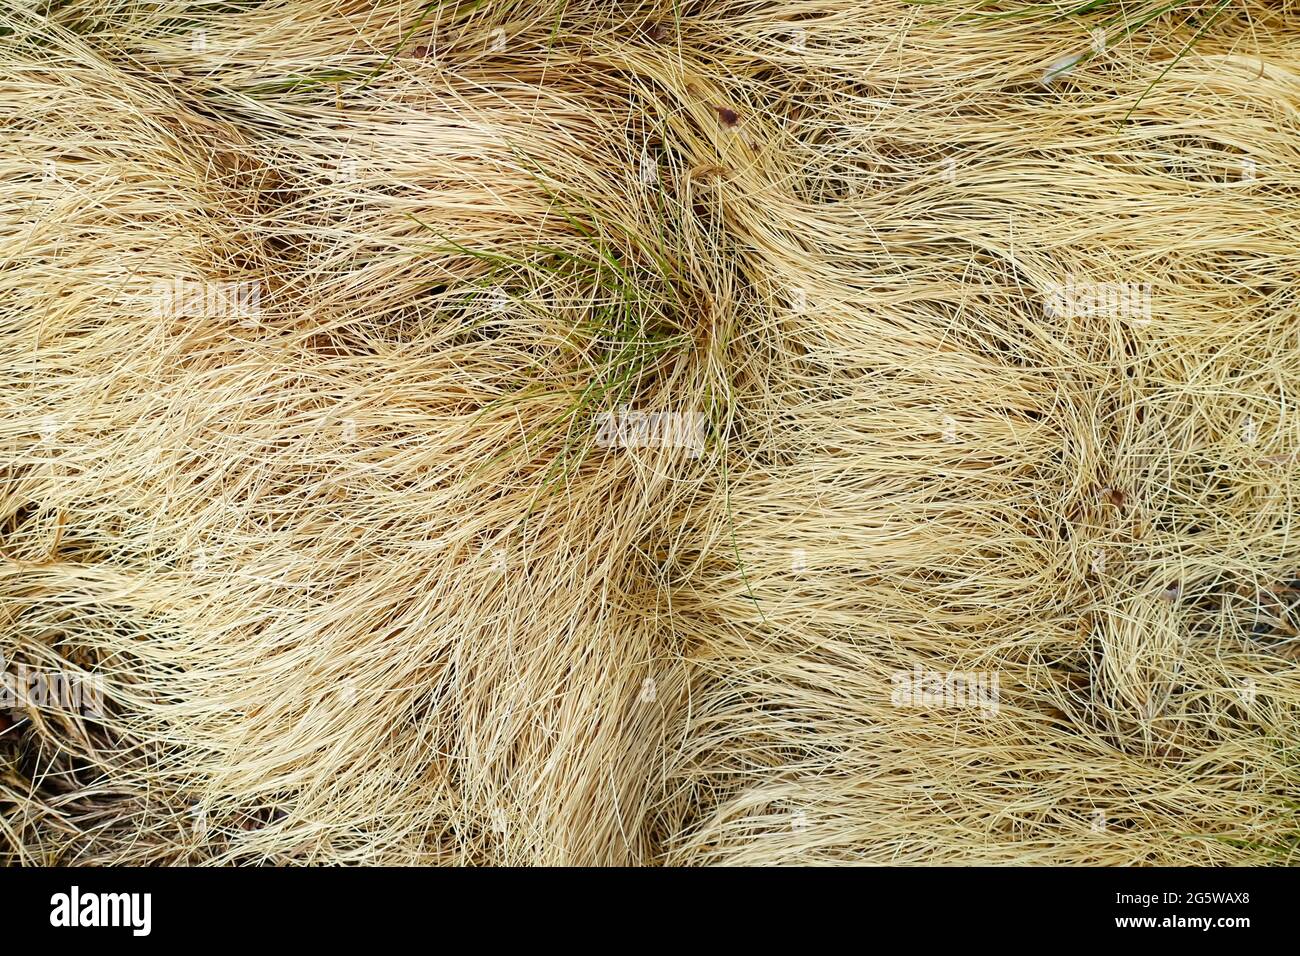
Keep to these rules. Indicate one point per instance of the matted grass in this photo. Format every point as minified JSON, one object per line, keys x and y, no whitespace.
{"x":998,"y":379}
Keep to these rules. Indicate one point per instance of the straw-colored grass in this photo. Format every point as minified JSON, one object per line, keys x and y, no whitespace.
{"x":363,"y":586}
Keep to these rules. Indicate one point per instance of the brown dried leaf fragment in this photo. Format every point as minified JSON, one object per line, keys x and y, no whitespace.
{"x":727,"y":116}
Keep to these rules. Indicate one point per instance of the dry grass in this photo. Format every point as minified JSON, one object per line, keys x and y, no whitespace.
{"x":362,"y":585}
